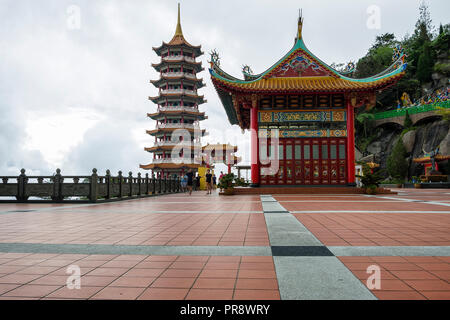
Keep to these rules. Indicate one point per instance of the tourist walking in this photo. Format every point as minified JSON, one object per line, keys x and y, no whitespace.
{"x":214,"y":180}
{"x":197,"y":182}
{"x":208,"y":177}
{"x":220,"y":178}
{"x":184,"y":180}
{"x":190,"y":180}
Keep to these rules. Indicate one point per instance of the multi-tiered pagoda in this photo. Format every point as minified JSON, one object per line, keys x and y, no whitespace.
{"x":177,"y":133}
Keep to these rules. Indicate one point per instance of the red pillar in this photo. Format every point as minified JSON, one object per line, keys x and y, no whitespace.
{"x":350,"y":144}
{"x":255,"y":170}
{"x":229,"y":168}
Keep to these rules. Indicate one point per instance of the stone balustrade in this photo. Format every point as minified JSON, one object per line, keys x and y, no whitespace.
{"x":93,"y":188}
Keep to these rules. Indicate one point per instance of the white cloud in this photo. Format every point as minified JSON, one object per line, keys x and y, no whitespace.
{"x":78,"y":98}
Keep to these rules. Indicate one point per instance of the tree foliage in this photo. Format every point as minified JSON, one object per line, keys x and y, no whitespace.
{"x":407,"y":123}
{"x":397,"y":166}
{"x":422,"y":47}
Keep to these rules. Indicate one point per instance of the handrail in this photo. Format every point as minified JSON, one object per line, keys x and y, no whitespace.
{"x":412,"y":110}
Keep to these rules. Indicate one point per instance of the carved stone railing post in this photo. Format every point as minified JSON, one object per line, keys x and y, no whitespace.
{"x":139,"y":181}
{"x":130,"y":183}
{"x":165,"y":184}
{"x":153,"y":185}
{"x":21,"y":186}
{"x":147,"y":184}
{"x":120,"y":185}
{"x":57,"y":186}
{"x":159,"y":185}
{"x":94,"y":186}
{"x":108,"y":184}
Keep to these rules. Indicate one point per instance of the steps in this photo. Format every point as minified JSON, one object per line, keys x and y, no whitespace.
{"x":305,"y":190}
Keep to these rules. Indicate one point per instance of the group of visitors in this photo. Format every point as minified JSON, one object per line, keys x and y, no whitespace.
{"x":437,"y":96}
{"x":191,"y":181}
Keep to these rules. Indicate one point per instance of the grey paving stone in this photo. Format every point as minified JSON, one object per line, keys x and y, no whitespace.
{"x":322,"y":278}
{"x":390,"y":251}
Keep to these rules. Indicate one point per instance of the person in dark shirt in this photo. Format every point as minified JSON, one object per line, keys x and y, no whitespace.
{"x":197,"y":182}
{"x":214,"y":180}
{"x":208,"y":177}
{"x":190,"y":180}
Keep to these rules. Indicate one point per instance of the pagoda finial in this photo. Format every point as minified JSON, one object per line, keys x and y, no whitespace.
{"x":178,"y":31}
{"x":300,"y":24}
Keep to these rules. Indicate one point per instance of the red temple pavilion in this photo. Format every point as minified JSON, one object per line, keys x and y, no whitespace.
{"x":309,"y":106}
{"x":177,"y":133}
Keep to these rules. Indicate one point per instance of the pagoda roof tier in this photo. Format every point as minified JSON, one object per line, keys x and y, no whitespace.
{"x":197,"y":66}
{"x":171,"y":45}
{"x":162,"y":130}
{"x":177,"y":77}
{"x":169,"y":165}
{"x":220,"y":146}
{"x":194,"y":114}
{"x":171,"y":147}
{"x":178,"y":40}
{"x":233,"y":160}
{"x":297,"y":72}
{"x":177,"y":93}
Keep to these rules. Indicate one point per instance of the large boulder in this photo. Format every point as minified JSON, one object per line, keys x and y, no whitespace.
{"x":374,"y":147}
{"x":408,"y":140}
{"x":428,"y":137}
{"x":358,"y":154}
{"x":444,"y":146}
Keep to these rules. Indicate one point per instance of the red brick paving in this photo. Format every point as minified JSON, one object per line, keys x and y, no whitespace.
{"x":405,"y":278}
{"x":224,"y":229}
{"x":43,"y":276}
{"x":142,"y":277}
{"x":378,"y":229}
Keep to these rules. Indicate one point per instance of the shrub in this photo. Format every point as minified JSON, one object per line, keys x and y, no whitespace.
{"x":397,"y":165}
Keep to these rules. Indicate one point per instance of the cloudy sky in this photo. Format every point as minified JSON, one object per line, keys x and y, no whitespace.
{"x":74,"y":75}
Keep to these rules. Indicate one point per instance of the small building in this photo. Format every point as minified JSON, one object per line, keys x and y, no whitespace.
{"x":300,"y":112}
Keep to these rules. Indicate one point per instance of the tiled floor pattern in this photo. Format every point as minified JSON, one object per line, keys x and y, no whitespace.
{"x":199,"y":220}
{"x":227,"y":229}
{"x":42,"y":276}
{"x":378,"y":229}
{"x":405,"y":278}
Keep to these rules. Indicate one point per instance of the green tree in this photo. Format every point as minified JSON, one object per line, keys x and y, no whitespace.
{"x":424,"y":25}
{"x":425,"y":64}
{"x":366,"y":120}
{"x":407,"y":123}
{"x":397,"y":166}
{"x":385,"y":40}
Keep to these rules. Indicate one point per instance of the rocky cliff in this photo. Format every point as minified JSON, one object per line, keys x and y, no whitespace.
{"x":424,"y":137}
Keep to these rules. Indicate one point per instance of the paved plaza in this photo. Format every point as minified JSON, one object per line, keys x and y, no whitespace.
{"x":230,"y":247}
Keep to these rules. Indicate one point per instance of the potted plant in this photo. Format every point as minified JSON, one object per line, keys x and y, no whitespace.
{"x":370,"y":179}
{"x":398,"y":182}
{"x":226,"y":183}
{"x":416,"y":182}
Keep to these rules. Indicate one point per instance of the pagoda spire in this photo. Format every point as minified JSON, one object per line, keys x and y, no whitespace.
{"x":178,"y":31}
{"x":178,"y":37}
{"x":300,"y":25}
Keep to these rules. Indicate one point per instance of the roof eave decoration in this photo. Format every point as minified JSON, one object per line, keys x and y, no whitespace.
{"x":308,"y":66}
